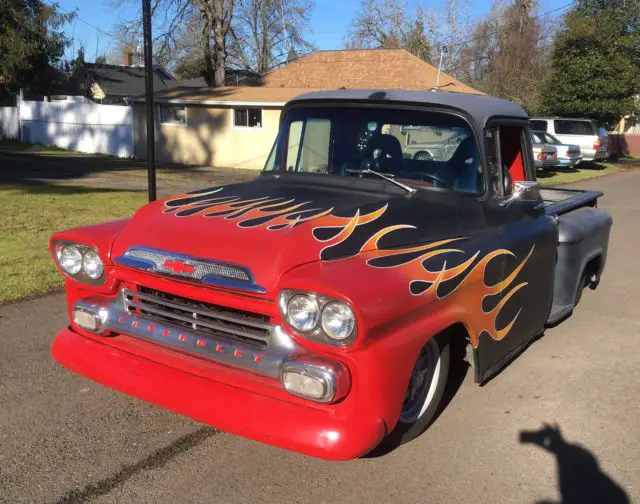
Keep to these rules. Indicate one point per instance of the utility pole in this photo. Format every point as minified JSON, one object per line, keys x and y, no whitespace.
{"x":148,"y":91}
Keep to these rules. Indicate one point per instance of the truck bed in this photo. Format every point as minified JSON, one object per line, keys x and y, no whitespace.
{"x":583,"y":237}
{"x":559,"y":201}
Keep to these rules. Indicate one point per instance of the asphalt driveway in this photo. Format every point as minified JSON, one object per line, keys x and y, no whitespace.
{"x":65,"y":439}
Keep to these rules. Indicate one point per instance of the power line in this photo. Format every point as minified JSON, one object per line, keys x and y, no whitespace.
{"x":475,"y":38}
{"x":75,"y":13}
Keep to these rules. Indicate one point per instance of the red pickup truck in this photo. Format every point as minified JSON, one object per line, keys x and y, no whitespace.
{"x":315,"y":307}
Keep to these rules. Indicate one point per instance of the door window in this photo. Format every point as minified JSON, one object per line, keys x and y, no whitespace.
{"x":493,"y":153}
{"x":508,"y":162}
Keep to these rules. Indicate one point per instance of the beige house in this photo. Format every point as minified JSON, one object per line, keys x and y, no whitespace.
{"x":235,"y":126}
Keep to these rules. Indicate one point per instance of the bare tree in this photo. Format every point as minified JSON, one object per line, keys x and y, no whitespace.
{"x":508,"y":54}
{"x":171,"y":16}
{"x":389,"y":24}
{"x":452,"y":26}
{"x":268,"y":33}
{"x":216,"y":17}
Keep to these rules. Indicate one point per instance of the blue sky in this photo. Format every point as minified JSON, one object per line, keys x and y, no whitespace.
{"x":329,"y":23}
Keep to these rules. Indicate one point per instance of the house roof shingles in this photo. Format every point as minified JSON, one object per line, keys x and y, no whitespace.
{"x":324,"y":70}
{"x":364,"y":69}
{"x":123,"y":81}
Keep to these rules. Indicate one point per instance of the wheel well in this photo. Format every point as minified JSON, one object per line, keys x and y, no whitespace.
{"x":592,"y":271}
{"x":460,"y":341}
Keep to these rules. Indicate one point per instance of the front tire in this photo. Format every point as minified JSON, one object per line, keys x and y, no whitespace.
{"x":425,"y":390}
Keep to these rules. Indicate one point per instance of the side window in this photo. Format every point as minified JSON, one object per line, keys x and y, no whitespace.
{"x":538,"y":125}
{"x":512,"y":152}
{"x":492,"y":139}
{"x":247,"y":118}
{"x":506,"y":151}
{"x":568,"y":127}
{"x":171,"y":114}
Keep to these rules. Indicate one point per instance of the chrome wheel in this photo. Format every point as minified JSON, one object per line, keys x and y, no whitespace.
{"x":423,"y":383}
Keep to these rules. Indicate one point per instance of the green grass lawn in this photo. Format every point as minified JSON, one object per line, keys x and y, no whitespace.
{"x":586,"y":171}
{"x":32,"y":212}
{"x":7,"y":144}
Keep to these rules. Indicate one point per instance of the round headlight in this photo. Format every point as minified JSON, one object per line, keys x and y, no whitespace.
{"x":303,"y":312}
{"x":70,"y":259}
{"x":338,"y":320}
{"x":92,"y":264}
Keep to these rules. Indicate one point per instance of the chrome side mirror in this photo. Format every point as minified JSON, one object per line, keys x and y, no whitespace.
{"x":525,"y":191}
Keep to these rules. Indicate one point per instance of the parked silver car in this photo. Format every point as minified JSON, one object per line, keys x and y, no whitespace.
{"x":593,"y":140}
{"x":545,"y":155}
{"x":568,"y":155}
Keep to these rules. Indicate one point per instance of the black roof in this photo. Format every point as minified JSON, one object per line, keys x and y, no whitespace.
{"x":233,"y":77}
{"x":480,"y":107}
{"x":123,"y":81}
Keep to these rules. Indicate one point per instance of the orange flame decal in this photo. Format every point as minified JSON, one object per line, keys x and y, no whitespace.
{"x":470,"y":293}
{"x":348,"y":225}
{"x":280,"y":213}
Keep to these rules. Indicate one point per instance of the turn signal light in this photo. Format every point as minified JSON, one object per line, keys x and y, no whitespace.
{"x":304,"y":385}
{"x":89,"y":316}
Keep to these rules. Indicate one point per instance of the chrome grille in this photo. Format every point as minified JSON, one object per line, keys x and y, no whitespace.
{"x":198,"y":268}
{"x":202,"y":318}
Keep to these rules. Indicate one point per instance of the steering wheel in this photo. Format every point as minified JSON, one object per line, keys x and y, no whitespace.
{"x":439,"y":182}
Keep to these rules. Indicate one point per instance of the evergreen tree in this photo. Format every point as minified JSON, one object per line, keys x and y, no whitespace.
{"x":31,"y":45}
{"x":596,"y":62}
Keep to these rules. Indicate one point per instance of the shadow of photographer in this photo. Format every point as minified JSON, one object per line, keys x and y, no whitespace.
{"x":580,"y":479}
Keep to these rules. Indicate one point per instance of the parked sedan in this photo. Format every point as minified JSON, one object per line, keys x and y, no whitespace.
{"x":586,"y":133}
{"x":545,"y":155}
{"x":568,"y":155}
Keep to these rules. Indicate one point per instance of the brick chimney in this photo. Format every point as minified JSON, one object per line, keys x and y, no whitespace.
{"x":128,"y":58}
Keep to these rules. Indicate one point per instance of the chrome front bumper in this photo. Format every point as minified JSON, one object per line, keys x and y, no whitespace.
{"x":282,"y":352}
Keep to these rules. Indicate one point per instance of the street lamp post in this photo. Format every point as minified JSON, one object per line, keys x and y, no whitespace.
{"x":148,"y":89}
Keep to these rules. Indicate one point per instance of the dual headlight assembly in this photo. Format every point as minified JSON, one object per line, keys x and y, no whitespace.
{"x":318,"y":317}
{"x":80,"y":262}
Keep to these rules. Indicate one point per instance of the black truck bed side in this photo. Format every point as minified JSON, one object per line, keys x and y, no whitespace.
{"x":559,"y":201}
{"x":583,"y":237}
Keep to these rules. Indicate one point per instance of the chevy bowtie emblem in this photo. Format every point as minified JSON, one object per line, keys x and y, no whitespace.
{"x":177,"y":266}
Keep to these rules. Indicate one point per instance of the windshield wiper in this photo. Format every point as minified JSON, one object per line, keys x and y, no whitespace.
{"x":388,"y":178}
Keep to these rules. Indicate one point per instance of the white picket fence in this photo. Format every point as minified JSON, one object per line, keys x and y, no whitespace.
{"x":9,"y":124}
{"x":78,"y":124}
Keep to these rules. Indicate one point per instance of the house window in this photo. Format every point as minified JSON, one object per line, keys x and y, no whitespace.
{"x":172,"y":114}
{"x":247,"y":118}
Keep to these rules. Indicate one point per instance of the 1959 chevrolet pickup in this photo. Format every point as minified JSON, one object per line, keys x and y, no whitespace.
{"x":315,"y":307}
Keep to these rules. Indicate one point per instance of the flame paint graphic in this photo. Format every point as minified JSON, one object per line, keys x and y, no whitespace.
{"x":471,"y":292}
{"x":281,"y":213}
{"x":272,"y":213}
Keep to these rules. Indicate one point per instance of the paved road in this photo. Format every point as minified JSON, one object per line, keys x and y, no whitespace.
{"x":64,"y":439}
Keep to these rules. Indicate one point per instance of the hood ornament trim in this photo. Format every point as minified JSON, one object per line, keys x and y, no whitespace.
{"x":208,"y":272}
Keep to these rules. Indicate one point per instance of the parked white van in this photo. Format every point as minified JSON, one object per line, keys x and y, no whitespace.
{"x":593,"y":140}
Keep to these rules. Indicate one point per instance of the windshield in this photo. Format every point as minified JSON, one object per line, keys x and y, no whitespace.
{"x":417,"y":147}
